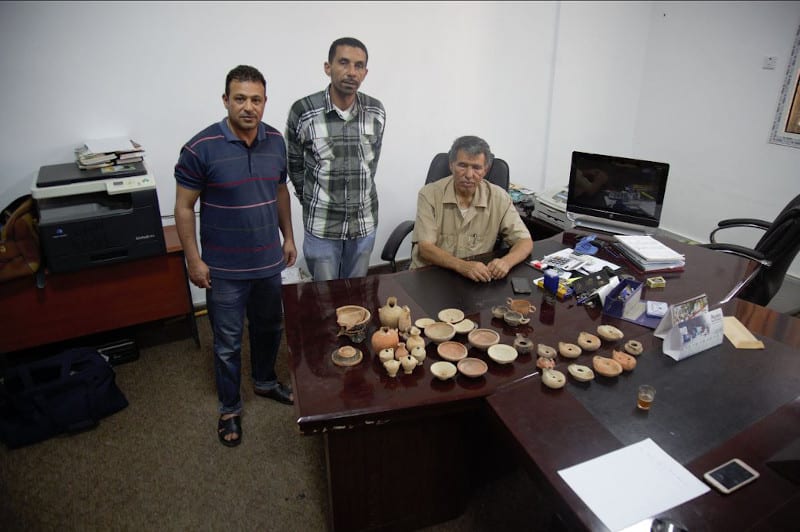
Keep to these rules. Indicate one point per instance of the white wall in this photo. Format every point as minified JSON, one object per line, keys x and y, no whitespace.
{"x":676,"y":82}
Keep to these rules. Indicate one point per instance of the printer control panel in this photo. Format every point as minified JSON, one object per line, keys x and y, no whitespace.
{"x":130,"y":184}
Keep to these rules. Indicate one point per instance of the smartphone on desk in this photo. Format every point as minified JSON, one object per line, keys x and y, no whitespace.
{"x":520,"y":285}
{"x":731,"y":476}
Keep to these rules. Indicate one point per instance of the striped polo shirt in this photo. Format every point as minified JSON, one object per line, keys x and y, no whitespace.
{"x":239,"y":231}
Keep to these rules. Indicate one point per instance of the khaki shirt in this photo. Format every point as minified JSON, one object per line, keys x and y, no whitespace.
{"x":439,"y":220}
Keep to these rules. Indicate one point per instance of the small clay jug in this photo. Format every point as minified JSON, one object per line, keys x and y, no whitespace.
{"x":523,"y":345}
{"x":383,"y":338}
{"x":386,"y":353}
{"x":409,"y":363}
{"x":419,"y":354}
{"x":521,"y":306}
{"x":400,"y":351}
{"x":391,"y":367}
{"x":404,"y":321}
{"x":389,"y":314}
{"x":415,"y":339}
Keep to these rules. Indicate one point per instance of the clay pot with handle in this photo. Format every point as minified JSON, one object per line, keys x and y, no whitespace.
{"x":389,"y":314}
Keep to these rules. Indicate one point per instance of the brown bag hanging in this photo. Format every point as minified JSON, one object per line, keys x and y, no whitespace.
{"x":20,"y":253}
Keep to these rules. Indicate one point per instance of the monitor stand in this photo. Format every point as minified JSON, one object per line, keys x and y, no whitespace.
{"x":786,"y":462}
{"x":611,"y":227}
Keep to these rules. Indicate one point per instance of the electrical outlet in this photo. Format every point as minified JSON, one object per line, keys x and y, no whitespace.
{"x":769,"y":62}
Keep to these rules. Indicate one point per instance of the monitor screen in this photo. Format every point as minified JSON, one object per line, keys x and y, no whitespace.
{"x":616,"y":189}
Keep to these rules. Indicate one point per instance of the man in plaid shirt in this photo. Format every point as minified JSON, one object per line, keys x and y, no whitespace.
{"x":334,"y":141}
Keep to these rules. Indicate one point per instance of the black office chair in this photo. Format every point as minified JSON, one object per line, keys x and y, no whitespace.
{"x":440,"y":168}
{"x":774,"y":252}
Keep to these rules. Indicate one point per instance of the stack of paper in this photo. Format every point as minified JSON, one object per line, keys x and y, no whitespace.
{"x":648,"y":254}
{"x":111,"y":152}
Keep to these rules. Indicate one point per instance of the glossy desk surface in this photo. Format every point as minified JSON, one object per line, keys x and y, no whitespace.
{"x":329,"y":397}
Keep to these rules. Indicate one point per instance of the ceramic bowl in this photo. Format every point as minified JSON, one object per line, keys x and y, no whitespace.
{"x":472,"y":367}
{"x":452,"y":351}
{"x":483,"y":338}
{"x":451,"y":315}
{"x":502,"y":353}
{"x":464,"y":326}
{"x":424,"y":322}
{"x":350,"y":316}
{"x":443,"y":370}
{"x":440,"y":331}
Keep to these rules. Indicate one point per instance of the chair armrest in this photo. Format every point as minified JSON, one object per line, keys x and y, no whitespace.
{"x":741,"y":251}
{"x":739,"y":222}
{"x":395,"y":239}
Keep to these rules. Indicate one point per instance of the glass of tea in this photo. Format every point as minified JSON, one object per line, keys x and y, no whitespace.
{"x":646,"y":394}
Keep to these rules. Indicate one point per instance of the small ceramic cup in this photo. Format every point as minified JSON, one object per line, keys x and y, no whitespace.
{"x":515,"y":318}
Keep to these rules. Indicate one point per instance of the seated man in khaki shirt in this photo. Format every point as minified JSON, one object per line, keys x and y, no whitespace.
{"x":462,"y":215}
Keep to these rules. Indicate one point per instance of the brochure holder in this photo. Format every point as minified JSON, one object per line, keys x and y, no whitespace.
{"x":625,"y":301}
{"x":689,"y":328}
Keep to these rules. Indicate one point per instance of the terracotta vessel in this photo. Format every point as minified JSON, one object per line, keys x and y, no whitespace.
{"x":409,"y":363}
{"x":415,"y":339}
{"x":523,"y":345}
{"x":404,"y":321}
{"x":391,"y":367}
{"x":520,"y":305}
{"x":383,"y":338}
{"x":389,"y":314}
{"x":401,"y":352}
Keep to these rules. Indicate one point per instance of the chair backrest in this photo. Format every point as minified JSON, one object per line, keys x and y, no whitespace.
{"x":780,"y":244}
{"x":440,"y":168}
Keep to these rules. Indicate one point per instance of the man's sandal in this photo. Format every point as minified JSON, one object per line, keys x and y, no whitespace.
{"x":225,"y":427}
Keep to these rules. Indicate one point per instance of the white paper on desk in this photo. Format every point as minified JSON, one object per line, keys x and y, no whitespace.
{"x":630,"y":484}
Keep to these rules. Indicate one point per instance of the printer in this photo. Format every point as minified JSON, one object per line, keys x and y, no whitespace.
{"x":95,"y":217}
{"x":551,"y":206}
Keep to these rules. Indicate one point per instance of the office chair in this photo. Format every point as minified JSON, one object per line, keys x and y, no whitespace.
{"x":439,"y":168}
{"x":774,"y":252}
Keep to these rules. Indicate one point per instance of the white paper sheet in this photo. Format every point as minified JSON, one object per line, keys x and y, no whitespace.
{"x":630,"y":484}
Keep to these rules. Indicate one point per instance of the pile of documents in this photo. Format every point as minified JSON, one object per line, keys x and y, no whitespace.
{"x":648,"y":254}
{"x":110,"y":152}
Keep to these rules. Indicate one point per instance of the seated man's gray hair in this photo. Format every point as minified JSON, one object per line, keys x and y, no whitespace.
{"x":472,"y":145}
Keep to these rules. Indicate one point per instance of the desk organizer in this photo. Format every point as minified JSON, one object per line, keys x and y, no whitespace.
{"x":625,"y":302}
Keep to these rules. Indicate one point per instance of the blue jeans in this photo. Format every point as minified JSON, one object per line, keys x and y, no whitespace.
{"x":228,"y":301}
{"x":328,"y":258}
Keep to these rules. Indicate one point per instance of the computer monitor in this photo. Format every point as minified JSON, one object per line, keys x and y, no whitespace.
{"x":615,"y":194}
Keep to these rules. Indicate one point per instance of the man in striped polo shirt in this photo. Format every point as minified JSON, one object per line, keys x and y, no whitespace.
{"x":334,"y":138}
{"x":237,"y":169}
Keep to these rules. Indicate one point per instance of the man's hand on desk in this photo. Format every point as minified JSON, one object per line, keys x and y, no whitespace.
{"x":498,"y":268}
{"x":477,"y":271}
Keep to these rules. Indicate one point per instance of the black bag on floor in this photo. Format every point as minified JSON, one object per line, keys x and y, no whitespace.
{"x":68,"y":392}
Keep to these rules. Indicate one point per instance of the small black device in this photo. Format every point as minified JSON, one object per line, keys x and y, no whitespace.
{"x":731,"y":475}
{"x":520,"y":285}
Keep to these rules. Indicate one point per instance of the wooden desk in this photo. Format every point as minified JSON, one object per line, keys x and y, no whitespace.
{"x":97,"y":299}
{"x":386,"y":438}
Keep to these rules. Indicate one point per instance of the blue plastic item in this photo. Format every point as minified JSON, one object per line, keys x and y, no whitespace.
{"x":585,"y":247}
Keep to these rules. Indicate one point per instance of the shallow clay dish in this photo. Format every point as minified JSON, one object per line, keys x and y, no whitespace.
{"x":347,"y":361}
{"x":424,"y":322}
{"x":502,"y":353}
{"x":483,"y":338}
{"x":452,"y":351}
{"x":440,"y":331}
{"x":450,"y":315}
{"x":472,"y":367}
{"x":464,"y":326}
{"x":443,"y":370}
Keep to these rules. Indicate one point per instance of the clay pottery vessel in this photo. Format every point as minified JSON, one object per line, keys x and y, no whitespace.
{"x":545,"y":363}
{"x":580,"y":372}
{"x":383,"y":338}
{"x":392,"y":366}
{"x":502,"y":353}
{"x":568,"y":350}
{"x":520,"y":305}
{"x":472,"y":367}
{"x":546,"y":351}
{"x":415,"y":339}
{"x":523,"y":345}
{"x":607,"y":367}
{"x":389,"y":314}
{"x":419,"y":354}
{"x":625,"y":360}
{"x":634,"y":347}
{"x":483,"y":338}
{"x":409,"y":363}
{"x":440,"y":331}
{"x":443,"y":370}
{"x":452,"y":351}
{"x":588,"y":342}
{"x":515,"y":318}
{"x":401,"y":352}
{"x":552,"y":378}
{"x":386,"y":354}
{"x":609,"y":333}
{"x":499,"y":311}
{"x":404,"y":321}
